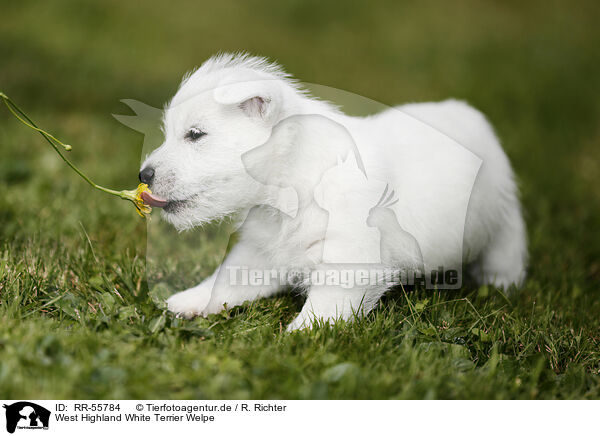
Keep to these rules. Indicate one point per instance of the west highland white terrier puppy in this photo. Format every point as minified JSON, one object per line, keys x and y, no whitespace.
{"x":340,"y":207}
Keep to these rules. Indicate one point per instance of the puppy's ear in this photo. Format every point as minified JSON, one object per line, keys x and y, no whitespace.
{"x":257,"y":97}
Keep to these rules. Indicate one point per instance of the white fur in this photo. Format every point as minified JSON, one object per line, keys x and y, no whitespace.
{"x":265,"y":134}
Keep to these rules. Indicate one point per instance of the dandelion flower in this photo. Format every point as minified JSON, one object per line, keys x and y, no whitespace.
{"x":135,"y":196}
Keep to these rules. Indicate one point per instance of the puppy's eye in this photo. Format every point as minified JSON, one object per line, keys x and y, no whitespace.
{"x":194,"y":134}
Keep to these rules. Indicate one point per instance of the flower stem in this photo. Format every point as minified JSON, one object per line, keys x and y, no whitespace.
{"x":22,"y":117}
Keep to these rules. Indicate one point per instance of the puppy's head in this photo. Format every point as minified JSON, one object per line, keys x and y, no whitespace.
{"x":218,"y":114}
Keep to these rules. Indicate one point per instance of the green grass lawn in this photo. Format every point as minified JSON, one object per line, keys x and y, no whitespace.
{"x":82,"y":312}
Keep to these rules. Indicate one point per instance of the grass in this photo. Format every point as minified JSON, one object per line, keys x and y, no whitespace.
{"x":81,"y":308}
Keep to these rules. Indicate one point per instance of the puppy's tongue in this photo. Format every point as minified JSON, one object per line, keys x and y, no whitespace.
{"x":153,"y":200}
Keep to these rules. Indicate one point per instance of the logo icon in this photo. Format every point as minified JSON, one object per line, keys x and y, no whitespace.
{"x":26,"y":415}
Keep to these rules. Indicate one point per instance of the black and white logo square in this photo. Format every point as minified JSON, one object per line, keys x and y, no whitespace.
{"x":26,"y":415}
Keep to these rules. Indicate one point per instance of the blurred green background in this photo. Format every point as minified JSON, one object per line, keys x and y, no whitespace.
{"x":532,"y":67}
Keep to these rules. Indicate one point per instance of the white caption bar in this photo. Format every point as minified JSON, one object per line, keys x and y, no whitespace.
{"x":23,"y":417}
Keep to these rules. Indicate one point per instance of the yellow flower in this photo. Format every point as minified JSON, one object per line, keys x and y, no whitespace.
{"x":135,"y":196}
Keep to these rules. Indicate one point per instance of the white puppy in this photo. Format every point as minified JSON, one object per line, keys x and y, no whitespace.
{"x":416,"y":189}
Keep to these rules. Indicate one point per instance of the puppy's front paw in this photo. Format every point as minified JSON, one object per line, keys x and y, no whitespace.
{"x":190,"y":303}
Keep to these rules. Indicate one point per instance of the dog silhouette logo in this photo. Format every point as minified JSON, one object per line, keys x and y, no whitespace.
{"x":26,"y":415}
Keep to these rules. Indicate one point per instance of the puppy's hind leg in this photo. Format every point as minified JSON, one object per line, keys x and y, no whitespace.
{"x":329,"y":304}
{"x":504,"y":261}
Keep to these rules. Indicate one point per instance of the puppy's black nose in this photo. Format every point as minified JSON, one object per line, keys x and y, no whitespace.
{"x":147,"y":175}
